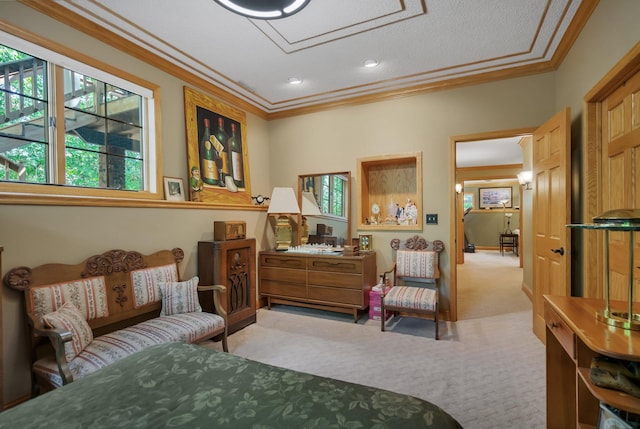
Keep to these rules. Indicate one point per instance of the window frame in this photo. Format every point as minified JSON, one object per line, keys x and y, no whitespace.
{"x":59,"y":57}
{"x":331,"y":192}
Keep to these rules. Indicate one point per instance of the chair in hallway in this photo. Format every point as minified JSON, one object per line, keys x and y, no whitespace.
{"x":413,"y":280}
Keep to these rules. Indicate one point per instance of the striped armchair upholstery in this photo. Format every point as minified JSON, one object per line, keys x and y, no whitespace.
{"x":414,"y":281}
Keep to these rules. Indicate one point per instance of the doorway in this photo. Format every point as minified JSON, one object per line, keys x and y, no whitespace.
{"x":485,"y":169}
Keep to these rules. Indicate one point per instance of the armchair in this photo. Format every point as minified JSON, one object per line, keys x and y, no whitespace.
{"x":413,"y":280}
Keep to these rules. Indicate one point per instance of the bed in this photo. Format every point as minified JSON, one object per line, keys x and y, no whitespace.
{"x":190,"y":386}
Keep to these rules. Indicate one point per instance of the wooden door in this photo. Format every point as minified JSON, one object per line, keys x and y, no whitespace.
{"x":621,"y":173}
{"x":460,"y":242}
{"x":551,"y":213}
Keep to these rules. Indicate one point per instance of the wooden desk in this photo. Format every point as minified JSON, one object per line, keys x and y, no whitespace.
{"x":509,"y":241}
{"x":574,"y":336}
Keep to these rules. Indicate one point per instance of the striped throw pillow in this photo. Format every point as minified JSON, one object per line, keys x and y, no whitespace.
{"x":180,"y":297}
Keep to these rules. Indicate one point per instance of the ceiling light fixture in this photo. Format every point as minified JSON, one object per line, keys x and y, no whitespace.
{"x":295,"y":81}
{"x":265,"y":9}
{"x":371,"y":63}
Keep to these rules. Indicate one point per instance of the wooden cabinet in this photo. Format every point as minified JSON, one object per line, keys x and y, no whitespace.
{"x":574,"y":337}
{"x":232,"y":264}
{"x":327,"y":282}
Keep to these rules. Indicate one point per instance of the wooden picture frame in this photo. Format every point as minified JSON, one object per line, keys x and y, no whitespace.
{"x":173,"y":189}
{"x":218,"y":169}
{"x":495,"y":197}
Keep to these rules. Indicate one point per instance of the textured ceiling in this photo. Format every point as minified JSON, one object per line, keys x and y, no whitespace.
{"x":504,"y":151}
{"x":421,"y":44}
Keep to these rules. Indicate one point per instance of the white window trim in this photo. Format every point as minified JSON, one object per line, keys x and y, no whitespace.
{"x":150,"y":149}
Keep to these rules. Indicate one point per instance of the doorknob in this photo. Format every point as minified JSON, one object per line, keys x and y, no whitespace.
{"x":559,"y":251}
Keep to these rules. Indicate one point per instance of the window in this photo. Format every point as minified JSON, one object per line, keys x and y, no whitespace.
{"x":469,"y":201}
{"x":332,"y":195}
{"x":63,"y":122}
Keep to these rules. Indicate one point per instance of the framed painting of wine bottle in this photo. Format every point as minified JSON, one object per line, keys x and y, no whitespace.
{"x":217,"y":155}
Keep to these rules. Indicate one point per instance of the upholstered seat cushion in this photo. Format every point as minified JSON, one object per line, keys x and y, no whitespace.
{"x":416,"y":298}
{"x":108,"y":348}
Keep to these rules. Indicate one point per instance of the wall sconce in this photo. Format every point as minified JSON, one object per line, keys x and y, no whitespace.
{"x":458,"y":188}
{"x":283,"y":204}
{"x":525,"y":178}
{"x":309,"y":208}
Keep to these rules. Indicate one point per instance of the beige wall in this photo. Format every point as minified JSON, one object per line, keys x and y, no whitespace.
{"x":281,"y":150}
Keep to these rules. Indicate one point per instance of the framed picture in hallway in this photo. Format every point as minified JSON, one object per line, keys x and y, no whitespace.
{"x":495,"y":198}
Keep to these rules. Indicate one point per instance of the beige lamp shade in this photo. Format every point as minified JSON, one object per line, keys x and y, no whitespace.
{"x":283,"y":201}
{"x":309,"y":205}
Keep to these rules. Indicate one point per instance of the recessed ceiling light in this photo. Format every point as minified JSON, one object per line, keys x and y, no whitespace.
{"x":371,"y":63}
{"x":295,"y":81}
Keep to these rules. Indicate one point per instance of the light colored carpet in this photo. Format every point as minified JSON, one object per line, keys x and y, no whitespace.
{"x":486,"y":372}
{"x":490,"y":284}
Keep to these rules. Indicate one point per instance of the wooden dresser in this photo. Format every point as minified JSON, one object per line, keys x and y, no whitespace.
{"x":327,"y":282}
{"x":574,"y":336}
{"x":230,"y":263}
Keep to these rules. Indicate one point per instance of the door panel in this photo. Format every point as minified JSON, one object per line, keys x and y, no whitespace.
{"x":551,"y":214}
{"x":621,"y":175}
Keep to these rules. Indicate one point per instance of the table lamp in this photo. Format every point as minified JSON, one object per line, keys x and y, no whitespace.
{"x":309,"y":208}
{"x":283,"y":203}
{"x":626,"y":221}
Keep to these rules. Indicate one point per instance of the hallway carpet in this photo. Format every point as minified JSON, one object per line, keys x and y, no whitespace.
{"x":490,"y":284}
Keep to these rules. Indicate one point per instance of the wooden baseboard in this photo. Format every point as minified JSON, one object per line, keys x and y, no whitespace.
{"x":15,"y":402}
{"x":527,"y":291}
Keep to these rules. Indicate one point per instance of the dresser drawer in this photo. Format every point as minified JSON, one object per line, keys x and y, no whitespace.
{"x":565,"y":336}
{"x":283,"y":275}
{"x":291,"y":290}
{"x":325,"y":278}
{"x":338,"y":296}
{"x":283,"y":261}
{"x":336,"y":265}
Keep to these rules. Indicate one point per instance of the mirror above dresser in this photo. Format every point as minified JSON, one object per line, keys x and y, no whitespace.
{"x":324,"y":199}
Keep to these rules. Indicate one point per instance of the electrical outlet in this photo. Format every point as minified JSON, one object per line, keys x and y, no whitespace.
{"x":432,"y":219}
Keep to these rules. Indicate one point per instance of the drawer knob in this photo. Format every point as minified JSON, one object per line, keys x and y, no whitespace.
{"x":554,"y":325}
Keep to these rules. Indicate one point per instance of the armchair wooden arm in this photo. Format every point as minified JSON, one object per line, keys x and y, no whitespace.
{"x":58,"y":338}
{"x":217,"y":300}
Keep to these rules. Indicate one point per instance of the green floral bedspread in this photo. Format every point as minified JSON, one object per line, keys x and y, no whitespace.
{"x":184,"y":385}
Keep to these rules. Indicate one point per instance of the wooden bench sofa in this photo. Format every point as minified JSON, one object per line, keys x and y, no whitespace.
{"x":84,"y":317}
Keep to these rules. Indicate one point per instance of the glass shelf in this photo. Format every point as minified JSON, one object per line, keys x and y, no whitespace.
{"x":613,"y":220}
{"x":605,"y":226}
{"x":624,"y":220}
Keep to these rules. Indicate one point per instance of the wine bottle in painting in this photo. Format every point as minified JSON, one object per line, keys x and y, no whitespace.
{"x":222,"y":138}
{"x":237,"y":165}
{"x":208,"y":168}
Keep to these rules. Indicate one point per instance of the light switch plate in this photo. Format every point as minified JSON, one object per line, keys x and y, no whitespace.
{"x":432,"y":219}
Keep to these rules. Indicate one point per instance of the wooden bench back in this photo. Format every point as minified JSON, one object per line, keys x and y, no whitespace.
{"x":115,"y":266}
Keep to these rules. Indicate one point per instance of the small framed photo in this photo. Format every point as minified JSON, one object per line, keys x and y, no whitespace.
{"x":365,"y":242}
{"x":173,"y":189}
